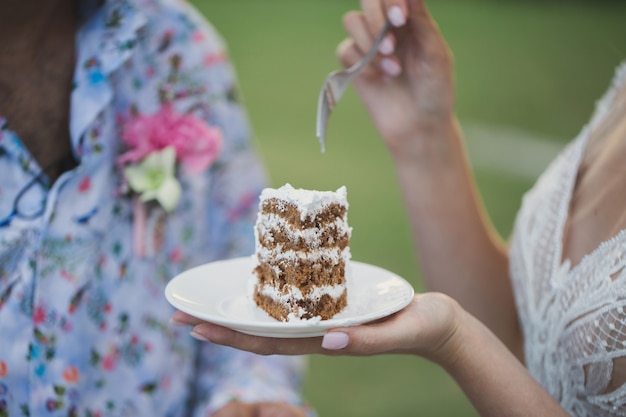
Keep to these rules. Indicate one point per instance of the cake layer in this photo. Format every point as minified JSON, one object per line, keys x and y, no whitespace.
{"x":331,"y":256}
{"x":303,"y":274}
{"x":292,"y":305}
{"x":273,"y":230}
{"x":303,"y":220}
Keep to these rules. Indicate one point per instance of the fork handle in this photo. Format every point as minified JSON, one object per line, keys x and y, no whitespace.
{"x":354,"y":69}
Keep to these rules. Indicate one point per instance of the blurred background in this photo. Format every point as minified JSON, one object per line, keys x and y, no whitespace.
{"x":528,"y":74}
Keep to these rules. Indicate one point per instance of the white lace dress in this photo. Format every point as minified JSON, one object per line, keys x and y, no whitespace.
{"x":573,"y":317}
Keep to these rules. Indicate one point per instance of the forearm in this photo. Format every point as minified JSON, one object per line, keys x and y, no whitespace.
{"x":493,"y":379}
{"x":460,"y":253}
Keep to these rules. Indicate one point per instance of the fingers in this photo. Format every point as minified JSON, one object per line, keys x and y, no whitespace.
{"x":349,"y":54}
{"x":419,"y":328}
{"x":209,"y":332}
{"x":371,"y":339}
{"x":410,"y":18}
{"x":356,"y":26}
{"x":235,"y":409}
{"x":277,"y":409}
{"x":184,"y":319}
{"x":413,"y":17}
{"x":261,"y":345}
{"x":379,"y":337}
{"x":260,"y":409}
{"x":396,"y":11}
{"x":362,"y":30}
{"x":374,"y":16}
{"x":423,"y":26}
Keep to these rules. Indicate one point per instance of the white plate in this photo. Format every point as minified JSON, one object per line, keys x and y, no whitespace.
{"x":221,"y":292}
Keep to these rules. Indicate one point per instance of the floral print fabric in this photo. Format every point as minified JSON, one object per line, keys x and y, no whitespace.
{"x":84,"y":325}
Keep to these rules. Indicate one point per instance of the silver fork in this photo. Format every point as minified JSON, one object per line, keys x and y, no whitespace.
{"x":336,"y":84}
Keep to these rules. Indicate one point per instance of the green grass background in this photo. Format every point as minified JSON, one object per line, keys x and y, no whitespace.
{"x":533,"y":65}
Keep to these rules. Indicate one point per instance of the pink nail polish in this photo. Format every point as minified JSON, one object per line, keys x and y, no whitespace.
{"x":395,"y":16}
{"x":390,"y":67}
{"x":386,"y":46}
{"x":198,"y":336}
{"x":335,"y":341}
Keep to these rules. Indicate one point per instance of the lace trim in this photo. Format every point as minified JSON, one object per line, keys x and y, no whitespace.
{"x":573,"y":318}
{"x":612,"y":403}
{"x":603,"y":106}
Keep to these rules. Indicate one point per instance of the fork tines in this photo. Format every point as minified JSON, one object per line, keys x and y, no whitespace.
{"x":330,"y":97}
{"x":323,"y":111}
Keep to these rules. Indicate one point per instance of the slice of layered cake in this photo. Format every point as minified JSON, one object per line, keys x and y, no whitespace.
{"x":302,"y":252}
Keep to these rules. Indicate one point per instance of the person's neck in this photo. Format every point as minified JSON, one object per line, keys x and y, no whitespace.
{"x":26,"y":26}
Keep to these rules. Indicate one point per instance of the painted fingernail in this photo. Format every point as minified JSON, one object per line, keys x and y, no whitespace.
{"x":395,"y":16}
{"x":198,"y":336}
{"x":335,"y":341}
{"x":390,"y":67}
{"x":386,"y":46}
{"x":175,"y":322}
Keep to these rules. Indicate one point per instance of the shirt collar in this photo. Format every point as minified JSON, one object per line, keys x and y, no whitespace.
{"x":104,"y":42}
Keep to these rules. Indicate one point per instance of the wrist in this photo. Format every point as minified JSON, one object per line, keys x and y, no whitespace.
{"x":433,"y":329}
{"x":450,"y":349}
{"x":427,"y":144}
{"x":469,"y":336}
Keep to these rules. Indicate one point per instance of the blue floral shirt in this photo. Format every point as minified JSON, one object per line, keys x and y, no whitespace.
{"x":84,"y":324}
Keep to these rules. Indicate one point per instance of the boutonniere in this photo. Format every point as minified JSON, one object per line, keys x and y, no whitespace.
{"x":160,"y":146}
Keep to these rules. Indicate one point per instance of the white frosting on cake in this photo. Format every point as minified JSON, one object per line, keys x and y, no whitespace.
{"x":298,"y":317}
{"x":309,"y":202}
{"x":333,"y":254}
{"x":312,"y":236}
{"x":289,"y":292}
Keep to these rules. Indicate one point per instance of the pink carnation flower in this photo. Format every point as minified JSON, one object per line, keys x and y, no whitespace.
{"x":197,"y":144}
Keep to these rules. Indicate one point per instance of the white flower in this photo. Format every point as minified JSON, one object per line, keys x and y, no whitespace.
{"x":153,"y":178}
